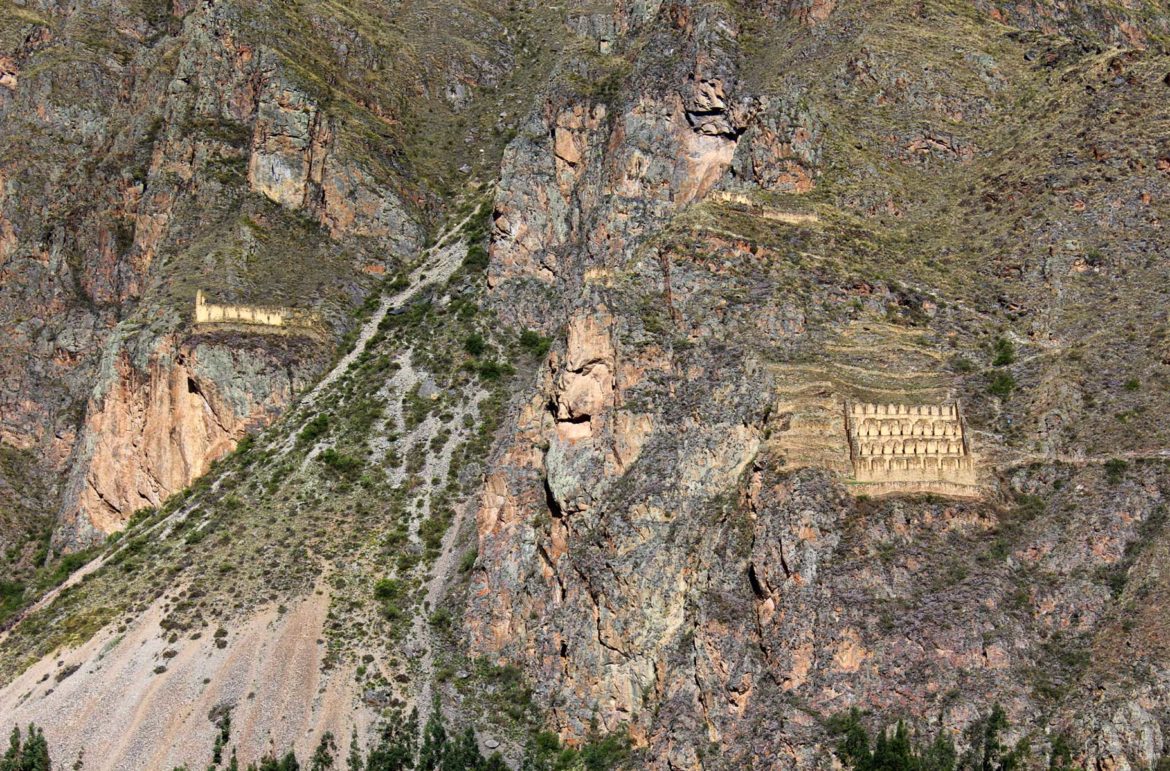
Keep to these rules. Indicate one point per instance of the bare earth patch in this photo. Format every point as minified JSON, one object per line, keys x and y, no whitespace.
{"x":128,"y":715}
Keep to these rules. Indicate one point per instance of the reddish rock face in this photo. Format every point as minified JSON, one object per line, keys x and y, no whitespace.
{"x":812,"y":12}
{"x":149,"y":434}
{"x":125,"y":188}
{"x":714,"y":222}
{"x":9,"y":73}
{"x":631,"y":588}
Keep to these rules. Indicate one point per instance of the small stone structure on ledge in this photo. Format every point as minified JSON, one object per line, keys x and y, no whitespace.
{"x":252,"y":315}
{"x":899,"y":448}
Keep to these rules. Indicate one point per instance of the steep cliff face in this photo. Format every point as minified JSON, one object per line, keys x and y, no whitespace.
{"x":221,"y":148}
{"x":738,"y":231}
{"x":151,"y":435}
{"x":605,"y":455}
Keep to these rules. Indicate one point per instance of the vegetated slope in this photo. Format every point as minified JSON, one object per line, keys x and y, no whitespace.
{"x":721,"y":215}
{"x":270,"y":154}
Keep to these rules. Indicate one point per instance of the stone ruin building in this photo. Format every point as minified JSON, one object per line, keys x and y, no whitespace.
{"x":909,"y":448}
{"x":251,"y":315}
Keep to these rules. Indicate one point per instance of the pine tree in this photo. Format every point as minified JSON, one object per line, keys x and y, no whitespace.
{"x":1061,"y":758}
{"x":603,"y":752}
{"x":992,"y":749}
{"x":495,"y":763}
{"x":434,"y":746}
{"x":224,"y":723}
{"x":853,"y":746}
{"x":940,"y":755}
{"x":11,"y":759}
{"x":35,"y":755}
{"x":893,"y":753}
{"x":395,"y":750}
{"x":463,"y":753}
{"x":354,"y":762}
{"x":322,"y":759}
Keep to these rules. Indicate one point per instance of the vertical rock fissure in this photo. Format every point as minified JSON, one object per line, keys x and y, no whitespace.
{"x":553,"y":569}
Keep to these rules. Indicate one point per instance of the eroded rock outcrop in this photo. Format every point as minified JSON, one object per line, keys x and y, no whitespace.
{"x":621,"y":578}
{"x":583,"y":185}
{"x":294,"y":161}
{"x":151,"y":431}
{"x":779,"y":151}
{"x":195,"y":144}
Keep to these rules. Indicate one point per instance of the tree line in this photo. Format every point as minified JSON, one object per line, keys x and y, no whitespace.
{"x":394,"y":748}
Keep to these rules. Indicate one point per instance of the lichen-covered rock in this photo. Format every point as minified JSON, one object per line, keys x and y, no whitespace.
{"x":159,"y":417}
{"x":727,"y":221}
{"x":692,"y":586}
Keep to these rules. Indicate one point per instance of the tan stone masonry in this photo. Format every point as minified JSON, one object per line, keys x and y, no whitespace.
{"x":909,"y":448}
{"x":877,"y":448}
{"x":211,"y":313}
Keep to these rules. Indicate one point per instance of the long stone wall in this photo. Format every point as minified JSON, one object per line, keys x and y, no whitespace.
{"x":212,"y":313}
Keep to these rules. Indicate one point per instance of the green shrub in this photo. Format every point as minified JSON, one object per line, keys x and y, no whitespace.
{"x":477,"y":258}
{"x":431,"y":530}
{"x":410,"y":316}
{"x":392,"y":594}
{"x":1115,"y":470}
{"x":361,"y":415}
{"x":345,"y":465}
{"x":1133,"y":384}
{"x":140,"y":516}
{"x":245,"y":445}
{"x":494,"y":370}
{"x":415,"y":407}
{"x":475,"y":344}
{"x":313,"y":430}
{"x":544,"y":752}
{"x":68,"y":564}
{"x":1005,"y":352}
{"x":441,"y":618}
{"x":536,"y":345}
{"x":11,"y":597}
{"x":511,"y":695}
{"x":962,"y":364}
{"x":1001,"y":384}
{"x":407,"y":561}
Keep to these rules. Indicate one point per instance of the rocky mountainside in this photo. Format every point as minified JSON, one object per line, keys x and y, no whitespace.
{"x":592,"y":287}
